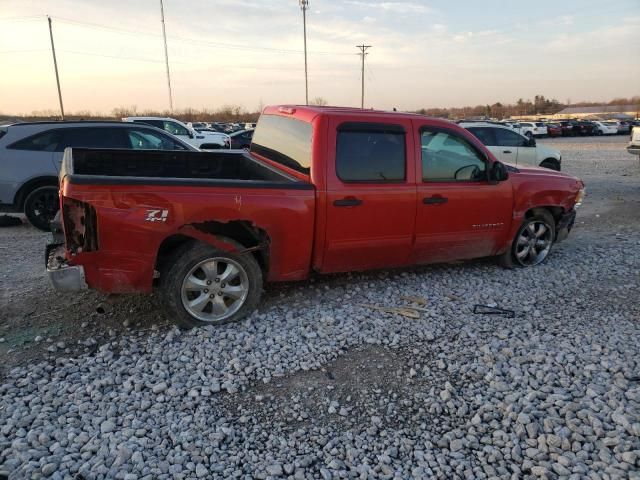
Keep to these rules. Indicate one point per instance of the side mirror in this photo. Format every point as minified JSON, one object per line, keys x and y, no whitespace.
{"x":191,"y":134}
{"x":531,"y":142}
{"x":498,"y":172}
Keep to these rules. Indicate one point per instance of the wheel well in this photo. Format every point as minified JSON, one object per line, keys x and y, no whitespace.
{"x":28,"y":187}
{"x":556,"y":212}
{"x":243,"y":232}
{"x":553,"y":161}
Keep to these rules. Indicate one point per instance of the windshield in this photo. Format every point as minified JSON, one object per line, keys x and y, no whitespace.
{"x":284,"y":140}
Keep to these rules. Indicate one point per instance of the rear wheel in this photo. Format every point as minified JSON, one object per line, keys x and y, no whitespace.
{"x":203,"y":285}
{"x":532,"y":242}
{"x":41,"y":205}
{"x":529,"y":134}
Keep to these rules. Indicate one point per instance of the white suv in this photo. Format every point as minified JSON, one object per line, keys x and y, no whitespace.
{"x":511,"y":147}
{"x":31,"y":155}
{"x":533,"y":129}
{"x":203,"y":140}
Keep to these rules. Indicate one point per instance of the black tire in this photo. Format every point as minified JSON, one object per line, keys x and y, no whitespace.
{"x":551,"y":163}
{"x":181,"y":264}
{"x":41,"y":206}
{"x":509,"y":258}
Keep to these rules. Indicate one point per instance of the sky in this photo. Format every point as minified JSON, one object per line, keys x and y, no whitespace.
{"x":425,"y":53}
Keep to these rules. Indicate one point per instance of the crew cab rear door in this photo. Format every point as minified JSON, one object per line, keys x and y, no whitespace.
{"x":460,"y":214}
{"x":371,"y":195}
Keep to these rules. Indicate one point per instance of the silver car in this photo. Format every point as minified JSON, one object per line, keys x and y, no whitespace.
{"x":31,"y":155}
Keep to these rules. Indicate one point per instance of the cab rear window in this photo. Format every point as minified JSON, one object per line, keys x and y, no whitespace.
{"x":284,"y":140}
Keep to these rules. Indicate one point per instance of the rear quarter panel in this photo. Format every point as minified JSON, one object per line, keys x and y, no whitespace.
{"x":128,"y":241}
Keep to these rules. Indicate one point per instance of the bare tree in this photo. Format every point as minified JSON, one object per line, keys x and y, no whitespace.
{"x":319,"y":102}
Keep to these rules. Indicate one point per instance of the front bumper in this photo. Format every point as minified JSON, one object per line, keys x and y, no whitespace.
{"x":565,"y":224}
{"x":634,"y":149}
{"x":63,"y":277}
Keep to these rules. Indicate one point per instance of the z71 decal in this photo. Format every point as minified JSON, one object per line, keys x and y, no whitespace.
{"x":157,"y":215}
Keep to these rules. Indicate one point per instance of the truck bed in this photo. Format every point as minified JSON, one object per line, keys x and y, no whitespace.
{"x":157,"y":167}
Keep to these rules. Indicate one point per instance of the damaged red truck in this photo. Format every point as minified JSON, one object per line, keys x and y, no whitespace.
{"x":322,"y":189}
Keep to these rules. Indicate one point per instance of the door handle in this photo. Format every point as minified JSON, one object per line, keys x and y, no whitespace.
{"x":506,"y":151}
{"x":434,"y":200}
{"x":347,"y":202}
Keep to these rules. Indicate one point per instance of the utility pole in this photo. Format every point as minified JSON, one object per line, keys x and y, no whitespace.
{"x":166,"y":55}
{"x":304,"y":4}
{"x":363,"y":53}
{"x":55,"y":66}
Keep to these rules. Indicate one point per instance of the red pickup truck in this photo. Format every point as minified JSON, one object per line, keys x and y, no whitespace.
{"x":322,"y":189}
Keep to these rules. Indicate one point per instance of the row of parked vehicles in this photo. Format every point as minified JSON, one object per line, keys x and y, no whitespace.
{"x":31,"y":153}
{"x":571,"y":128}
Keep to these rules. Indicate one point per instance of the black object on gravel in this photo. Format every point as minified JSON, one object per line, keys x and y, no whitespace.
{"x":9,"y":221}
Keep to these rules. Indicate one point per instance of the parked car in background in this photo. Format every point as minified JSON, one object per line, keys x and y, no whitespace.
{"x":197,"y":126}
{"x":31,"y":154}
{"x":322,"y":190}
{"x":634,"y":144}
{"x":512,"y":147}
{"x":623,"y":127}
{"x":567,"y":127}
{"x":200,"y":140}
{"x":241,"y":139}
{"x":584,"y":127}
{"x":554,"y":129}
{"x":604,"y":128}
{"x":533,"y":129}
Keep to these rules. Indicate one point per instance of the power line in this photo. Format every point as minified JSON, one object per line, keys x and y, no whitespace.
{"x":195,"y":41}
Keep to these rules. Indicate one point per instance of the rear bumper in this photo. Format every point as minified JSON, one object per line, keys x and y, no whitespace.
{"x":565,"y":224}
{"x":63,"y":277}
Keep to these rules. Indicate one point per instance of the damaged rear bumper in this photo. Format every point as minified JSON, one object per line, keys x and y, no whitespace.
{"x":62,"y":276}
{"x":565,"y":224}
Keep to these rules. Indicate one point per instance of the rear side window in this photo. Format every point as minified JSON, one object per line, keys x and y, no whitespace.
{"x":539,"y":124}
{"x":370,"y":153}
{"x":93,"y":137}
{"x":484,"y":134}
{"x":284,"y":140}
{"x":42,"y":142}
{"x":147,"y":139}
{"x":175,"y":128}
{"x":507,"y":138}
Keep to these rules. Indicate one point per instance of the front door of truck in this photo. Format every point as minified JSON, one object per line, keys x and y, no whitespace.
{"x":371,"y":195}
{"x":460,"y":214}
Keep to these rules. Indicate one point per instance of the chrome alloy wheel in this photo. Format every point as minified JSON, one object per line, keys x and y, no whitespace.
{"x":215,"y":289}
{"x":534,"y":243}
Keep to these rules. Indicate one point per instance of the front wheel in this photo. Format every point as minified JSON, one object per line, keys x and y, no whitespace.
{"x":203,"y":285}
{"x":532,"y":243}
{"x":41,"y":205}
{"x":550,"y":163}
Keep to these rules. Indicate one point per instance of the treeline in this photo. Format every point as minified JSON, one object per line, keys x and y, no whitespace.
{"x":226,"y":113}
{"x":235,"y":113}
{"x":538,"y":106}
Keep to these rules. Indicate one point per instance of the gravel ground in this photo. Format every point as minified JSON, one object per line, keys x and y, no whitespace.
{"x":317,"y":386}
